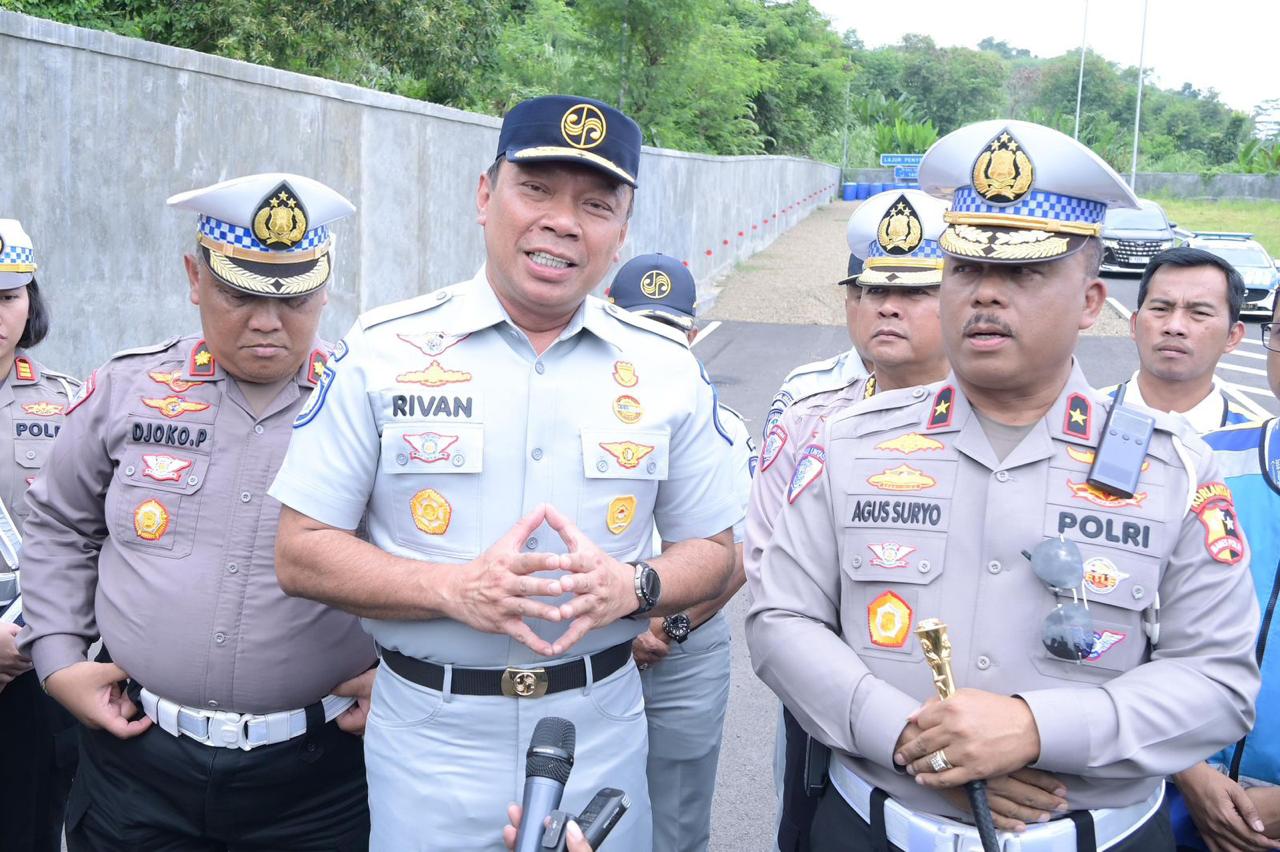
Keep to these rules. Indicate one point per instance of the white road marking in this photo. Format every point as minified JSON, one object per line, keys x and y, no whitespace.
{"x":1253,"y":371}
{"x":1120,"y":309}
{"x":704,"y":333}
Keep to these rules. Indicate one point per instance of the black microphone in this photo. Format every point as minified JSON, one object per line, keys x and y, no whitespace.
{"x":546,"y":769}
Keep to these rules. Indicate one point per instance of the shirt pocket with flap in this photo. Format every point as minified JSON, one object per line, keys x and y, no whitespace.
{"x":888,"y":578}
{"x":434,"y":479}
{"x":622,"y":470}
{"x":153,"y":503}
{"x":1120,"y":586}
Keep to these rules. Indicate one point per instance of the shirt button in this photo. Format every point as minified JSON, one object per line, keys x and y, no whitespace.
{"x":857,"y":562}
{"x":245,"y":496}
{"x":1002,"y":476}
{"x":540,"y":368}
{"x":994,"y":567}
{"x":537,"y":453}
{"x":402,"y":459}
{"x":128,"y":471}
{"x":213,"y":705}
{"x":31,"y":454}
{"x":917,"y":393}
{"x":924,"y":566}
{"x":1138,"y":592}
{"x":193,"y":480}
{"x":602,"y":465}
{"x":652,"y":467}
{"x":220,"y":638}
{"x":233,"y":568}
{"x":258,"y":430}
{"x":531,"y":544}
{"x":984,"y":663}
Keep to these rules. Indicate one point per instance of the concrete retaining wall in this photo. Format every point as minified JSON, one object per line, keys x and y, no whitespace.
{"x":101,"y":129}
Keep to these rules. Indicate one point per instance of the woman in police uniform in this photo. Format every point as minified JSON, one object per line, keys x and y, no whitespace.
{"x":37,"y":741}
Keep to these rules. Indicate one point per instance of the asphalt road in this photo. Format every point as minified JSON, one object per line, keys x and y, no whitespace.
{"x":748,"y":361}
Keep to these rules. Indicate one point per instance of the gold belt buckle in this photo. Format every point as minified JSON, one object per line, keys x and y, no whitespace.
{"x":524,"y":683}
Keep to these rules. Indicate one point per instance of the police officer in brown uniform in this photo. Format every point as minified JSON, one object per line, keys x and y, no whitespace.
{"x":921,"y":502}
{"x":37,"y":737}
{"x":152,"y":527}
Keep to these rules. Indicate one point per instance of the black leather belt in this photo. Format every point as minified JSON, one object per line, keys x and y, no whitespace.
{"x":513,"y":682}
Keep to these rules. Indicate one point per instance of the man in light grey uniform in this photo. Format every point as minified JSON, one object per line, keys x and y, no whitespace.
{"x":511,"y":442}
{"x":684,"y":658}
{"x":969,"y":473}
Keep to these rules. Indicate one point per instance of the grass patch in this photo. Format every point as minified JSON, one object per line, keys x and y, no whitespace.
{"x":1260,"y":218}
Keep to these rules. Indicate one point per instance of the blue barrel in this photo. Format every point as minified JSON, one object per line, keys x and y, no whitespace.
{"x":848,"y":191}
{"x":875,"y":188}
{"x":864,"y":192}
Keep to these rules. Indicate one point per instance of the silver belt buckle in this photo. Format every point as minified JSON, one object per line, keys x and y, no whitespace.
{"x":524,"y":683}
{"x":228,"y":730}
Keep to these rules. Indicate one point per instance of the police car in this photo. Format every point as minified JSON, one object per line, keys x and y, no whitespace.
{"x":1131,"y":237}
{"x":1252,"y":262}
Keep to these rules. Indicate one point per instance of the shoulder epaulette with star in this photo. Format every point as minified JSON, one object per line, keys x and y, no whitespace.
{"x":150,"y":349}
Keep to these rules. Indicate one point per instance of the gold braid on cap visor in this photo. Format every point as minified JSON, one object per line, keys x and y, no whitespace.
{"x":1010,"y":220}
{"x":885,"y":270}
{"x":255,"y":283}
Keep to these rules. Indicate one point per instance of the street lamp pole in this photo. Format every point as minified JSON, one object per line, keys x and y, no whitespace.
{"x":1137,"y":110}
{"x":1084,"y":34}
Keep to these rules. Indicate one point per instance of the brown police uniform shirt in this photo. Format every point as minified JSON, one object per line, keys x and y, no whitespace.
{"x":151,"y":524}
{"x":900,"y":511}
{"x":33,"y":401}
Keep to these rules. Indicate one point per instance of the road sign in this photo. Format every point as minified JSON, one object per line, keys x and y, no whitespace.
{"x":906,"y":173}
{"x":887,"y":160}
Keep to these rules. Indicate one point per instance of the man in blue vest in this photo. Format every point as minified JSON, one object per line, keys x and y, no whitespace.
{"x":1232,"y":799}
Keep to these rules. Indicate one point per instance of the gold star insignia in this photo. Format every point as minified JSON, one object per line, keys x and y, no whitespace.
{"x":1077,"y":416}
{"x":942,"y":407}
{"x":203,"y":358}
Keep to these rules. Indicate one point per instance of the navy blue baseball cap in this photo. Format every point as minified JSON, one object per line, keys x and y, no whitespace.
{"x":657,"y":286}
{"x":568,"y":129}
{"x":855,"y":269}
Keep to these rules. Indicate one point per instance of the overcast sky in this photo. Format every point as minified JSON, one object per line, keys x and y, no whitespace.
{"x":1228,"y":45}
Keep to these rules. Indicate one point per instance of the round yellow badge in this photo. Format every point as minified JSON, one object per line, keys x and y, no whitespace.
{"x":627,"y":408}
{"x":431,"y":512}
{"x":150,"y":520}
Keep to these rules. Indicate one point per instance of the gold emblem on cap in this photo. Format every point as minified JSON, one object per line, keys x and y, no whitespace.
{"x":900,"y":230}
{"x":583,"y":126}
{"x":1003,"y":172}
{"x":280,"y":219}
{"x":655,"y":284}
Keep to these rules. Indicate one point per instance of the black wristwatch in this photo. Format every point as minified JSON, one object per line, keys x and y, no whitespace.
{"x":648,"y":588}
{"x":677,"y":627}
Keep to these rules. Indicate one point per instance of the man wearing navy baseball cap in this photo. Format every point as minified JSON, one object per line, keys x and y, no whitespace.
{"x":512,"y":442}
{"x":684,"y":657}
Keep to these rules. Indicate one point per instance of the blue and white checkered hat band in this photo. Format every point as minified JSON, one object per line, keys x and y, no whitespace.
{"x":927,"y":249}
{"x":234,"y":235}
{"x":1036,"y":204}
{"x":18,"y":256}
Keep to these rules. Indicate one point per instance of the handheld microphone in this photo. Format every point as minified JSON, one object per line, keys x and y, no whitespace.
{"x":546,"y":769}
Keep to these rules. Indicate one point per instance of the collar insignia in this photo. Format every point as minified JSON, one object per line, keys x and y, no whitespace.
{"x":1003,"y":172}
{"x":24,"y":369}
{"x":1076,"y":422}
{"x":315,"y":366}
{"x":201,"y":362}
{"x":940,"y":415}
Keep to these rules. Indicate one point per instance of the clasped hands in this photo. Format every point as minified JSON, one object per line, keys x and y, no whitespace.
{"x":982,"y":736}
{"x":497,"y":591}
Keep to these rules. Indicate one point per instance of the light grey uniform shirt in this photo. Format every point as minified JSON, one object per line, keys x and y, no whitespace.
{"x":899,"y":511}
{"x":437,"y":421}
{"x":151,"y":524}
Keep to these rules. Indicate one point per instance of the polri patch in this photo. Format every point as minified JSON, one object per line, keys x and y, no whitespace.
{"x":628,"y":453}
{"x":622,"y":511}
{"x":164,"y":468}
{"x":150,"y":520}
{"x":1216,"y":510}
{"x":813,"y":458}
{"x":430,"y":447}
{"x":773,"y":444}
{"x":431,"y":512}
{"x":889,"y":620}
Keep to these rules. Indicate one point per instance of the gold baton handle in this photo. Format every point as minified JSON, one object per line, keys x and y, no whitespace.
{"x":932,"y":634}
